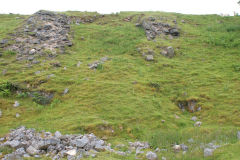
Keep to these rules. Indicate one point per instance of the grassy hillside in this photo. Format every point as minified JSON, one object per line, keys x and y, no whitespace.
{"x":126,"y":98}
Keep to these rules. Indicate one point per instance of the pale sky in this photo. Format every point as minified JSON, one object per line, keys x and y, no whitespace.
{"x":112,"y":6}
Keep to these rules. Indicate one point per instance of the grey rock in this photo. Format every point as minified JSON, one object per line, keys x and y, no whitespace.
{"x":151,"y":155}
{"x":0,"y":113}
{"x":208,"y":152}
{"x":16,"y":104}
{"x":20,"y":151}
{"x":82,"y":142}
{"x":194,"y":118}
{"x":26,"y":155}
{"x":72,"y":152}
{"x":32,"y":151}
{"x":66,"y":90}
{"x":164,"y":158}
{"x":238,"y":135}
{"x":149,"y":58}
{"x":79,"y":63}
{"x":139,"y":151}
{"x":121,"y":153}
{"x":176,"y":148}
{"x":3,"y":41}
{"x":12,"y":156}
{"x":174,"y":32}
{"x":57,"y":134}
{"x":4,"y":72}
{"x":30,"y":58}
{"x":37,"y":72}
{"x":198,"y":124}
{"x":169,"y":52}
{"x":190,"y":140}
{"x":17,"y":115}
{"x":184,"y":147}
{"x":13,"y":144}
{"x":44,"y":144}
{"x":104,"y":59}
{"x":32,"y":51}
{"x":35,"y":62}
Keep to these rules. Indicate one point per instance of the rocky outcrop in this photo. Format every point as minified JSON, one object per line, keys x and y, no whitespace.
{"x":189,"y":105}
{"x":29,"y":143}
{"x":153,"y":28}
{"x":43,"y":33}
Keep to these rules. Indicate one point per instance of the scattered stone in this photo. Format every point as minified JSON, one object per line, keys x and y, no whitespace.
{"x":17,"y":115}
{"x":183,"y":21}
{"x":157,"y":150}
{"x":4,"y":72}
{"x":120,"y":153}
{"x":184,"y":147}
{"x":190,"y":140}
{"x":37,"y":72}
{"x":16,"y":104}
{"x":149,"y":58}
{"x":139,"y":151}
{"x":208,"y":152}
{"x":176,"y":148}
{"x":79,"y":63}
{"x":176,"y":116}
{"x":151,"y":155}
{"x":138,"y":144}
{"x":35,"y":62}
{"x":198,"y":124}
{"x":164,"y":158}
{"x":56,"y":64}
{"x":95,"y":64}
{"x":0,"y":113}
{"x":194,"y":118}
{"x":66,"y":90}
{"x":32,"y":51}
{"x":168,"y":52}
{"x":65,"y":68}
{"x":163,"y":121}
{"x":50,"y":76}
{"x":238,"y":135}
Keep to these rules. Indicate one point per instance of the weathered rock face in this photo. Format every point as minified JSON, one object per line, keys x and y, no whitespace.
{"x":153,"y":28}
{"x":44,"y":33}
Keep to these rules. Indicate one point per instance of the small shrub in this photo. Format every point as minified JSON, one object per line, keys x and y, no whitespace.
{"x":9,"y":52}
{"x":155,"y":85}
{"x":22,"y":95}
{"x":6,"y":150}
{"x":6,"y":88}
{"x":100,"y":67}
{"x":236,"y":67}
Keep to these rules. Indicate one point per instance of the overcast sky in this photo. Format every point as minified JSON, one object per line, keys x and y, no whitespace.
{"x":110,"y":6}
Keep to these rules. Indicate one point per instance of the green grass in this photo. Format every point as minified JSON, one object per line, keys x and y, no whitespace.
{"x":106,"y":102}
